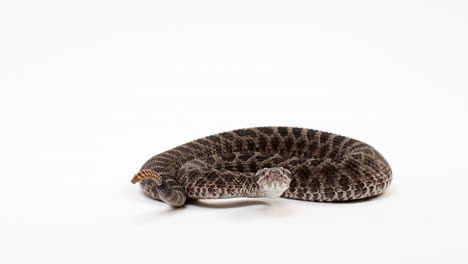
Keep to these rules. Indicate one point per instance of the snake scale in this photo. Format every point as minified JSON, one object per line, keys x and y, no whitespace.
{"x":290,"y":162}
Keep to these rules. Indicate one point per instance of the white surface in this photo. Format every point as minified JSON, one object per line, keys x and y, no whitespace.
{"x":90,"y":90}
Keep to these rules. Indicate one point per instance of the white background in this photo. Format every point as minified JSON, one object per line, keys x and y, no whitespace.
{"x":89,"y":90}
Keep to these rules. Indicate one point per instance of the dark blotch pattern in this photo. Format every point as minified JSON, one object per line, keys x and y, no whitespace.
{"x":325,"y":167}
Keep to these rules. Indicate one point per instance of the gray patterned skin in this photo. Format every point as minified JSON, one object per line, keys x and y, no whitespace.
{"x":317,"y":166}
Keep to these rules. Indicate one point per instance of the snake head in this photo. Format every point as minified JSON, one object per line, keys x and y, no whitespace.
{"x":273,"y":181}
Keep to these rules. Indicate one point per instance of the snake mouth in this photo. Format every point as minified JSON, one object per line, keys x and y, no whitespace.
{"x":276,"y":191}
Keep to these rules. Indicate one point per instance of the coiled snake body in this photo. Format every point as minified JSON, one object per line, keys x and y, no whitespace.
{"x":290,"y":162}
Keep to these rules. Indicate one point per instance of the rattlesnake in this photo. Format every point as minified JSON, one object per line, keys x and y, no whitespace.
{"x":290,"y":162}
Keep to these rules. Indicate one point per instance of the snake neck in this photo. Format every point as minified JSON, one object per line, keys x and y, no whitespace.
{"x":258,"y":192}
{"x":264,"y":193}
